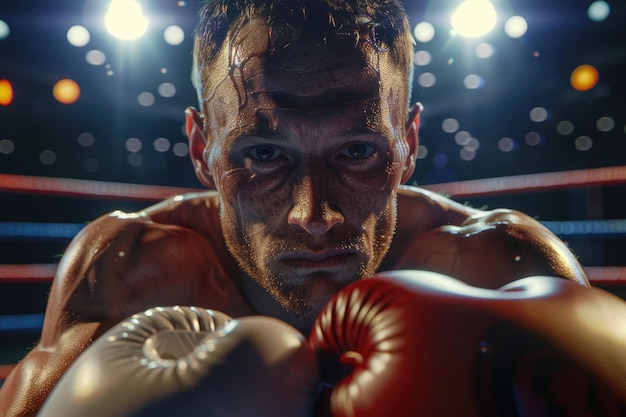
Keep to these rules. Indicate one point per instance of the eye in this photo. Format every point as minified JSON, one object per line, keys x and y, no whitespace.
{"x":264,"y":153}
{"x":358,"y":151}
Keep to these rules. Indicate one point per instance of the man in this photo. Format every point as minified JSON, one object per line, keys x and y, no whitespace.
{"x":302,"y":137}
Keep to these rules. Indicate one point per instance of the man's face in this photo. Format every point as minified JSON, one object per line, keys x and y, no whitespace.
{"x":306,"y":148}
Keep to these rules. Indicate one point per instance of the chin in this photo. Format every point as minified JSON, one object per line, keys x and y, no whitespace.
{"x":306,"y":300}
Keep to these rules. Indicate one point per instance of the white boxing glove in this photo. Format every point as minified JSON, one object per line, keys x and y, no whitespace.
{"x":187,"y":361}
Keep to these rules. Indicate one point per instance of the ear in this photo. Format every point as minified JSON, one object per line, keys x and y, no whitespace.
{"x":412,"y":140}
{"x":197,"y":146}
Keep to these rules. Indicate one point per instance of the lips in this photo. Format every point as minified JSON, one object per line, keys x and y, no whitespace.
{"x":316,"y":260}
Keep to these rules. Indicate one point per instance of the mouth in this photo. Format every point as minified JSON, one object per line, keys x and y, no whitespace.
{"x":324,"y":260}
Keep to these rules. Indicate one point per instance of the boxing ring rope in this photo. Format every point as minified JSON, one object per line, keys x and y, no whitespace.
{"x":471,"y":188}
{"x":597,"y":177}
{"x":87,"y":188}
{"x":43,"y":273}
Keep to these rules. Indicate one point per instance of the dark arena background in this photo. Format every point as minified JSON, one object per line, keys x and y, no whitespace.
{"x":526,"y":111}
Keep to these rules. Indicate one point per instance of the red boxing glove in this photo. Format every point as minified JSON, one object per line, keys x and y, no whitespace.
{"x":415,"y":343}
{"x":187,"y":361}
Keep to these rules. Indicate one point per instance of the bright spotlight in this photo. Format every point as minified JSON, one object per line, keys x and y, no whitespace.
{"x":125,"y":19}
{"x":474,"y":18}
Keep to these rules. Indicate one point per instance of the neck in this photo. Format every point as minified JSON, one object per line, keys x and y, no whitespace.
{"x":266,"y":305}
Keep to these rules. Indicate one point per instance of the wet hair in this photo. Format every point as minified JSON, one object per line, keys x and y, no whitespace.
{"x":386,"y":21}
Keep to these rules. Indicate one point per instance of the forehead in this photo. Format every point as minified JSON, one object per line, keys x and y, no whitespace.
{"x":306,"y":66}
{"x":259,"y":70}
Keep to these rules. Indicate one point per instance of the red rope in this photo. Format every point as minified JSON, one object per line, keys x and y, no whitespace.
{"x":480,"y":187}
{"x":87,"y":188}
{"x":22,"y":274}
{"x":597,"y":177}
{"x":26,"y":273}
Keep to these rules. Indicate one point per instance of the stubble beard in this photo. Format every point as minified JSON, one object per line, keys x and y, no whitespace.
{"x":305,"y":296}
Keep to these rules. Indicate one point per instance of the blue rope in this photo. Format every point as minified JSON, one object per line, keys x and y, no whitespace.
{"x":21,"y":323}
{"x":66,"y":231}
{"x":588,"y":228}
{"x":46,"y":231}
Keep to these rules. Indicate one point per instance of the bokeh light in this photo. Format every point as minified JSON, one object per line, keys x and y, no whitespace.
{"x":7,"y":146}
{"x":450,"y":125}
{"x":467,"y":154}
{"x":6,"y":92}
{"x":5,"y":31}
{"x":506,"y":144}
{"x":174,"y":35}
{"x":95,"y":57}
{"x":583,"y":143}
{"x":584,"y":77}
{"x":538,"y":114}
{"x":86,"y":139}
{"x":462,"y":138}
{"x":133,"y":145}
{"x":135,"y":159}
{"x":125,"y":20}
{"x":472,"y":144}
{"x":422,"y":152}
{"x":474,"y":18}
{"x":161,"y":145}
{"x":532,"y":139}
{"x":47,"y":157}
{"x":598,"y":11}
{"x":427,"y":79}
{"x":422,"y":58}
{"x":66,"y":91}
{"x":167,"y":90}
{"x":146,"y":99}
{"x":180,"y":149}
{"x":473,"y":81}
{"x":515,"y":27}
{"x":605,"y":124}
{"x":78,"y":36}
{"x":484,"y":50}
{"x":565,"y":128}
{"x":424,"y":32}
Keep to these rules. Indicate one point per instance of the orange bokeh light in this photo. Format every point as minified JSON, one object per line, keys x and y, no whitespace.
{"x":6,"y":92}
{"x":66,"y":91}
{"x":584,"y":77}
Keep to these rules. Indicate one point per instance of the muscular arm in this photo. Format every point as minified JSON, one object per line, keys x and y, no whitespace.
{"x":483,"y":248}
{"x":118,"y":265}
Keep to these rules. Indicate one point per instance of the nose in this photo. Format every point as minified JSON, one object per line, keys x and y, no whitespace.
{"x":311,"y":210}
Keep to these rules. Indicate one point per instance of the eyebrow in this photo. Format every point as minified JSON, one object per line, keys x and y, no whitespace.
{"x":262,"y":128}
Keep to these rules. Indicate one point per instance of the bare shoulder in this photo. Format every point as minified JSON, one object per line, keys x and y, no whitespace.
{"x":483,"y":247}
{"x":119,"y":264}
{"x":114,"y":266}
{"x":434,"y":208}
